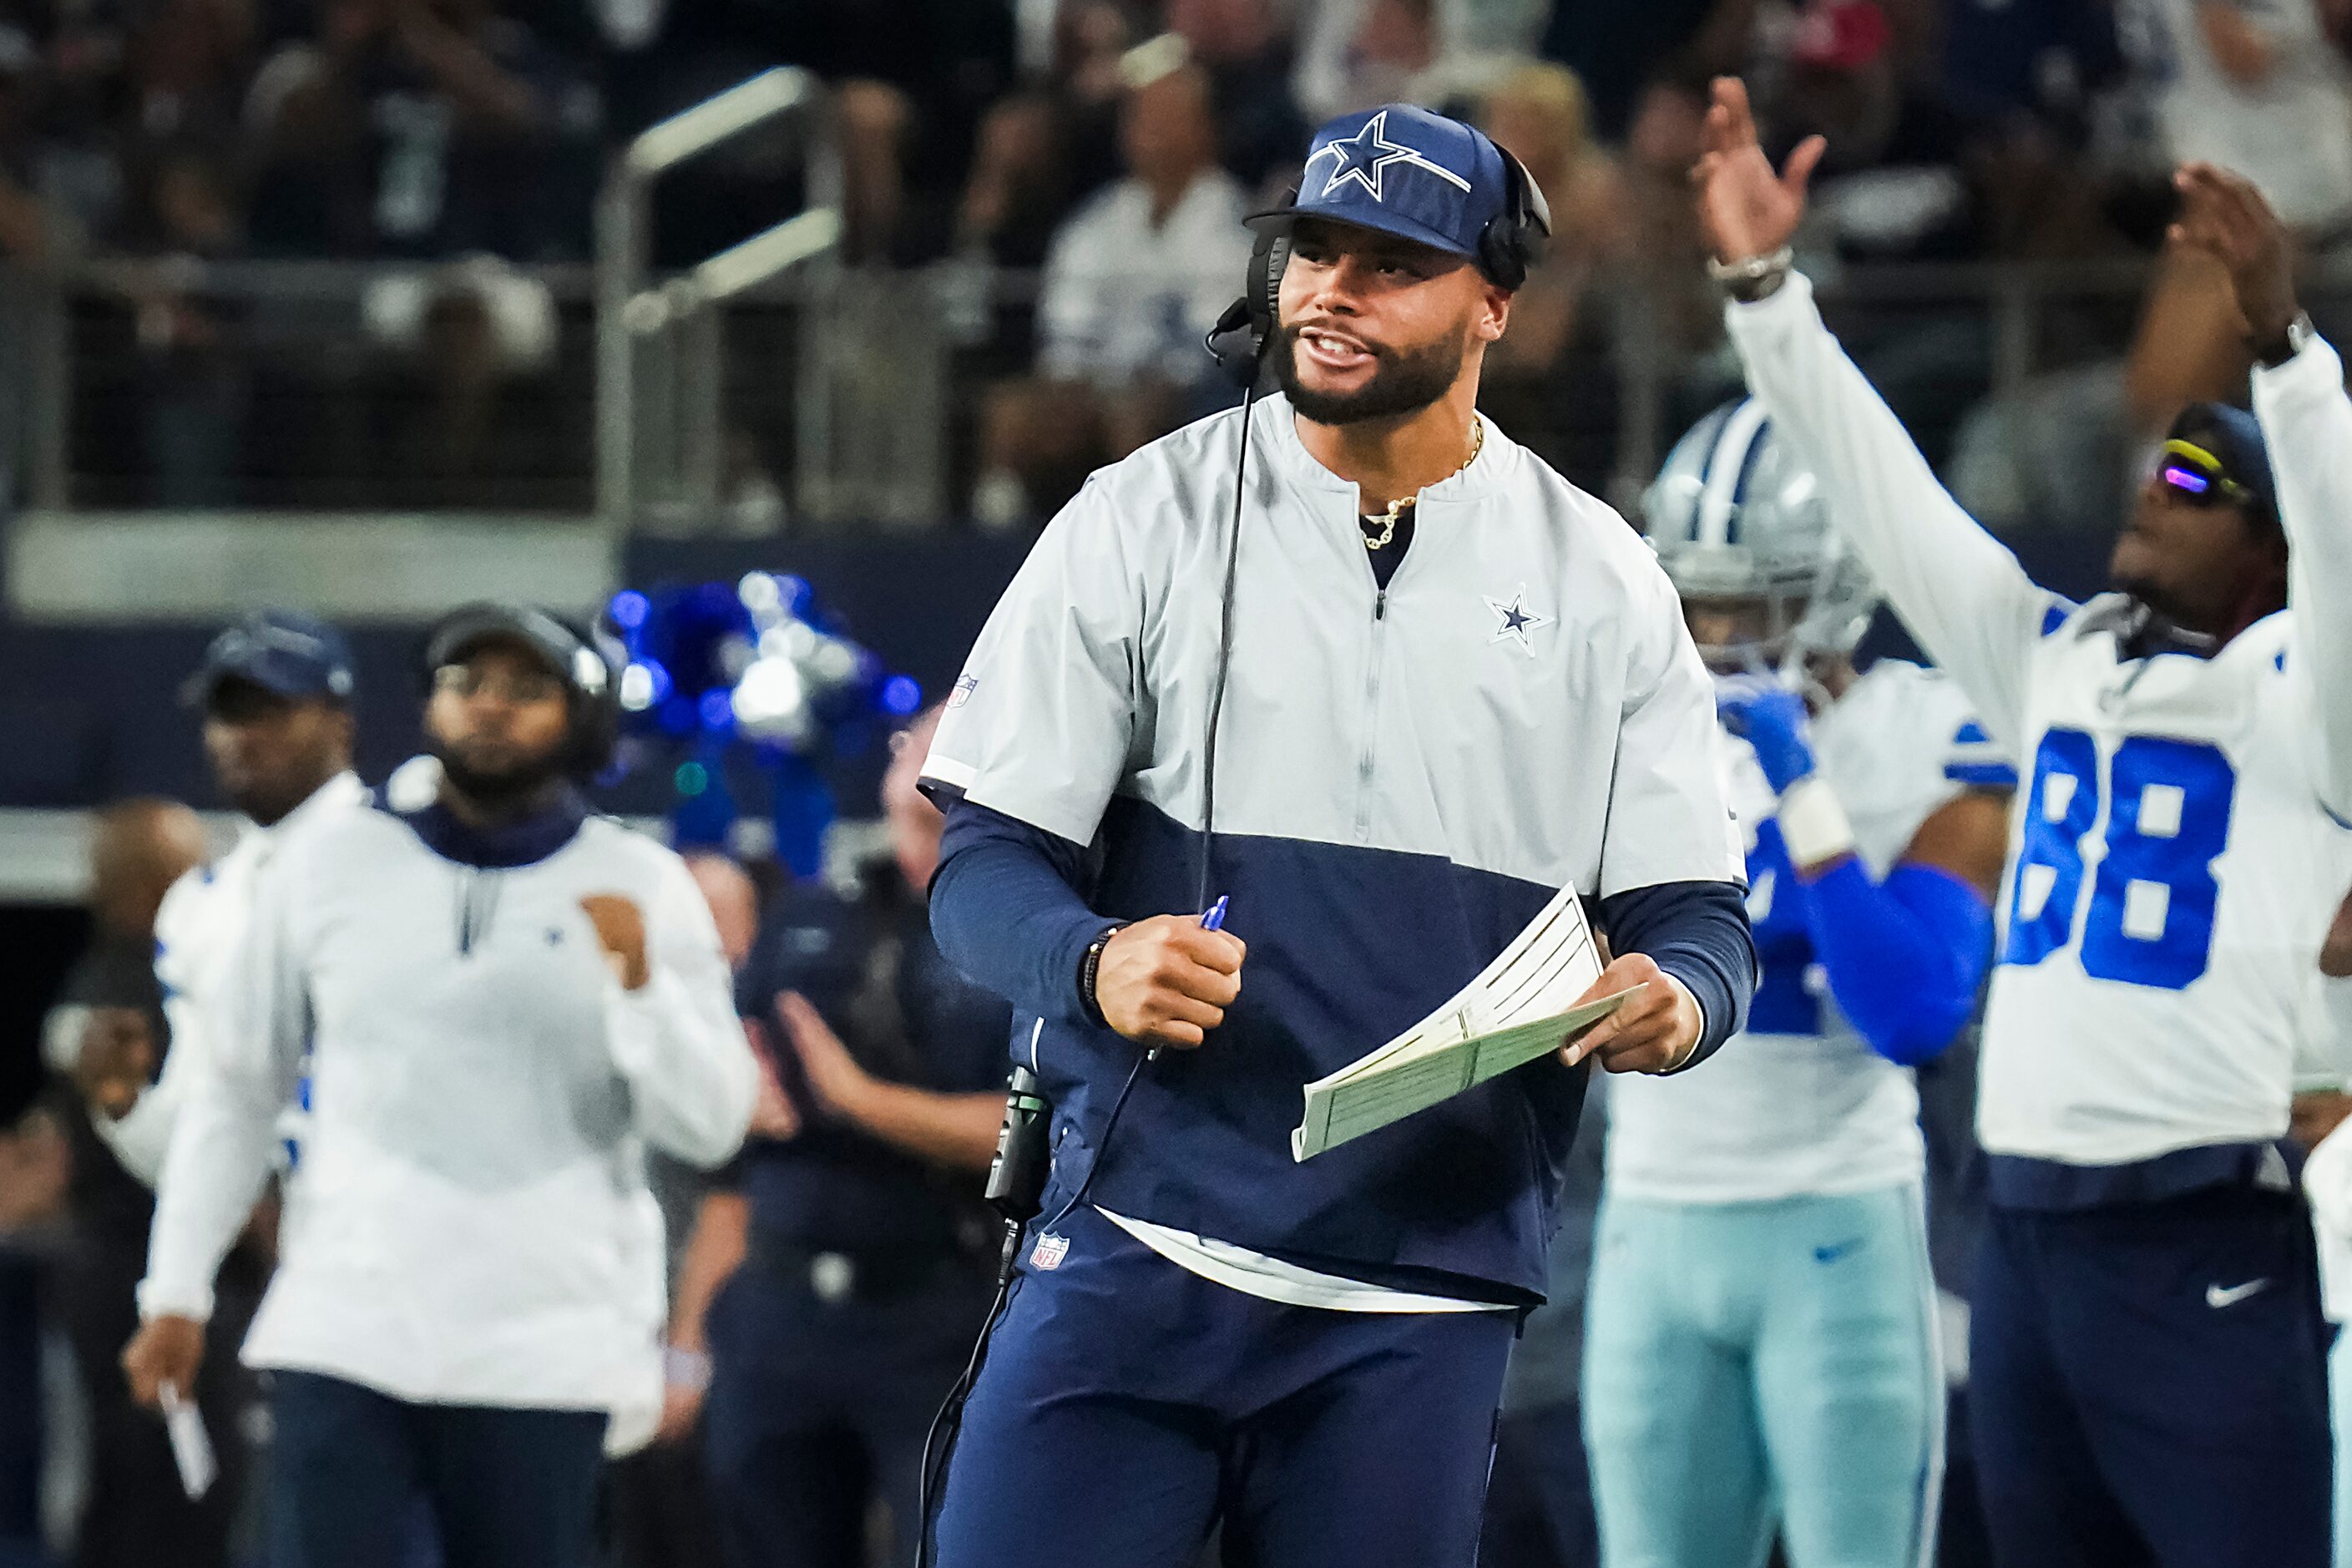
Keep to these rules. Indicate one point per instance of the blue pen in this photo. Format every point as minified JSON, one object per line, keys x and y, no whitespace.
{"x":1212,"y":919}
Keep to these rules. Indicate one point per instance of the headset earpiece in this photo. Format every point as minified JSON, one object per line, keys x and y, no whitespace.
{"x":1237,"y":342}
{"x":1268,"y":257}
{"x":1514,"y":241}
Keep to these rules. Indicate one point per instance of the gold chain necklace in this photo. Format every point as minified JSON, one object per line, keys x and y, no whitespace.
{"x":1395,"y":514}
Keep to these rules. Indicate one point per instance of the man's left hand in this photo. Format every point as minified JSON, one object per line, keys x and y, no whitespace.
{"x":621,"y":928}
{"x":1772,"y":719}
{"x":1653,"y":1032}
{"x":36,"y":1168}
{"x":833,"y":1075}
{"x":774,"y":1115}
{"x":2222,"y":214}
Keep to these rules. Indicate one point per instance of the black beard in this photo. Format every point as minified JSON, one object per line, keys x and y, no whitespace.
{"x":503,"y":792}
{"x":1402,"y":383}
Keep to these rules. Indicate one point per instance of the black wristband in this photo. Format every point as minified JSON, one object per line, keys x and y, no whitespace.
{"x":1089,"y":968}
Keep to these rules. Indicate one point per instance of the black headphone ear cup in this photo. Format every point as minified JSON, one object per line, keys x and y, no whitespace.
{"x":1498,"y":258}
{"x":1268,"y":259}
{"x":1513,"y":243}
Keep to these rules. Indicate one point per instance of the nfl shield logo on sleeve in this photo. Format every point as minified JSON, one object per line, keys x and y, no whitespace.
{"x":1049,"y":1252}
{"x":963,"y":691}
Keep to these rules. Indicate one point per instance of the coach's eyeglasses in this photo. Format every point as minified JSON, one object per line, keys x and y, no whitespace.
{"x":521,"y":687}
{"x":2196,"y":476}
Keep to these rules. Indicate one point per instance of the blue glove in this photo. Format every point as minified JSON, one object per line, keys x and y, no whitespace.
{"x":1772,"y":719}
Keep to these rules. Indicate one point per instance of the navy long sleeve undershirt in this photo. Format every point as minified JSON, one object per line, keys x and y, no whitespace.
{"x":1006,"y":911}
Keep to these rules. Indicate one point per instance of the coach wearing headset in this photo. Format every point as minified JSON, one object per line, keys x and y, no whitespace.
{"x":505,"y":1000}
{"x":1442,"y":685}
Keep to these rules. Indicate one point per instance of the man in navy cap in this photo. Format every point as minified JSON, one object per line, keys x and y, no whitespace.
{"x":1380,"y":685}
{"x":276,"y":691}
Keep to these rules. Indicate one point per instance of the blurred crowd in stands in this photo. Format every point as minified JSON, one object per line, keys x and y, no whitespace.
{"x":1070,"y":172}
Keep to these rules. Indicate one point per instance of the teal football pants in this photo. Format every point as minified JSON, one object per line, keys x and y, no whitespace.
{"x":1757,"y":1365}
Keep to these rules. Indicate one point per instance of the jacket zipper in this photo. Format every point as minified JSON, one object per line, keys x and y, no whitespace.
{"x":1371,"y":717}
{"x":477,"y":902}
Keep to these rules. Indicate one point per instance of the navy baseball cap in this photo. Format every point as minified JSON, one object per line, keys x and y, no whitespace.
{"x":284,"y":651}
{"x":1403,"y":171}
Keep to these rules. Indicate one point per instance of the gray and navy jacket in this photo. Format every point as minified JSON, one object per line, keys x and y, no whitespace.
{"x":1405,"y":775}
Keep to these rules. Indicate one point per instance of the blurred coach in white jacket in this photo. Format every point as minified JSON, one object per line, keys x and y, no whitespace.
{"x":504,"y":1000}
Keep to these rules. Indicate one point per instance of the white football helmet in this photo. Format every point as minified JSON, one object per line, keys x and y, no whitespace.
{"x":1734,"y":516}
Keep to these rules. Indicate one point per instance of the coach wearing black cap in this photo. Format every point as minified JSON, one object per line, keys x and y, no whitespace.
{"x":504,"y":1000}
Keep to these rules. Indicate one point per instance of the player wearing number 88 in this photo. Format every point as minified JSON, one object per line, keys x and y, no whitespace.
{"x":2145,"y":1368}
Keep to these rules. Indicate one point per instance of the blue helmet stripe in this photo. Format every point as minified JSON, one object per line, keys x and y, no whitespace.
{"x":1747,"y":462}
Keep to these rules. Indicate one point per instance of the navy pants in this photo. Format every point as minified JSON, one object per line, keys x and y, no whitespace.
{"x":1127,"y":1406}
{"x":505,"y":1489}
{"x":2147,"y":1385}
{"x":1539,"y":1505}
{"x":817,"y":1406}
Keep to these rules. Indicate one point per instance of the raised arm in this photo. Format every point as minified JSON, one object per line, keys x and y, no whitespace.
{"x":2308,"y":425}
{"x":1962,"y":595}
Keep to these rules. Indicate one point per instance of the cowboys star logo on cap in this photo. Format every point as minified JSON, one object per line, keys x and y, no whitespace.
{"x":1365,"y":157}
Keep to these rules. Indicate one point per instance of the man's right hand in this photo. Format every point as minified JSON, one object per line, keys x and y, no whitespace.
{"x":1744,"y":208}
{"x":1167,"y":982}
{"x":2225,"y":215}
{"x":166,"y":1349}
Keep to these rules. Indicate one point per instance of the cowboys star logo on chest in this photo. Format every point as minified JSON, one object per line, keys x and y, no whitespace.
{"x":1516,"y":621}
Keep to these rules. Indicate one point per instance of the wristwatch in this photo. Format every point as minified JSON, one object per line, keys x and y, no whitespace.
{"x":2290,"y":342}
{"x":1753,"y":278}
{"x":1089,"y":968}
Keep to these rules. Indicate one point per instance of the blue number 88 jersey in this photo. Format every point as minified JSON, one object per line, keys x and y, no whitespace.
{"x":2170,"y":875}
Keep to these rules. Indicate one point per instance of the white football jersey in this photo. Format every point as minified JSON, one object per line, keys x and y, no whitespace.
{"x":2170,"y":880}
{"x":2175,"y":850}
{"x":1801,"y":1104}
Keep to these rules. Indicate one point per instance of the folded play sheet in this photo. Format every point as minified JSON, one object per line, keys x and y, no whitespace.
{"x":1516,"y":1011}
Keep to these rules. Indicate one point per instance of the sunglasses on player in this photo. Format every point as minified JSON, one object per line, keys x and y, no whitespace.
{"x":2196,"y":476}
